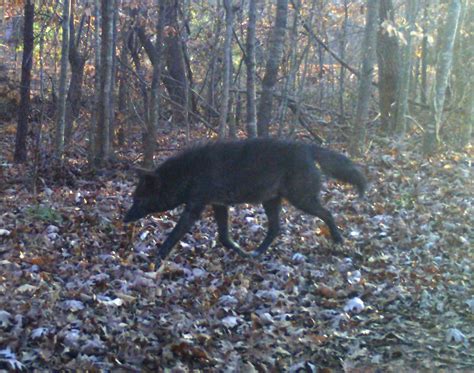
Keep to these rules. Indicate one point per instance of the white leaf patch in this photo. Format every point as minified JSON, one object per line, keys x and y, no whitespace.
{"x":38,"y":333}
{"x":230,"y":321}
{"x":456,"y":336}
{"x":355,"y":305}
{"x":9,"y":359}
{"x":5,"y":319}
{"x":117,"y":302}
{"x":73,"y":305}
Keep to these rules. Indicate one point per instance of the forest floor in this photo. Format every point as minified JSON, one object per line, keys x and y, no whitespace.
{"x":79,"y":290}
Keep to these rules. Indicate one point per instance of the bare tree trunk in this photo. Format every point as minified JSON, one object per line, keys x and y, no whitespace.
{"x":135,"y":53}
{"x":468,"y":117}
{"x":211,"y":91}
{"x":443,"y":69}
{"x":388,"y":62}
{"x":405,"y":70}
{"x":77,"y":62}
{"x":465,"y":52}
{"x":250,"y":62}
{"x":293,"y":66}
{"x":226,"y":81}
{"x":60,"y":124}
{"x":232,"y":132}
{"x":176,"y":83}
{"x":342,"y":54}
{"x":26,"y":65}
{"x":211,"y":112}
{"x":365,"y":83}
{"x":113,"y":73}
{"x":153,"y":122}
{"x":191,"y":98}
{"x":103,"y":124}
{"x":123,"y":88}
{"x":424,"y":61}
{"x":2,"y":20}
{"x":304,"y":74}
{"x":93,"y":125}
{"x":275,"y":54}
{"x":321,"y":83}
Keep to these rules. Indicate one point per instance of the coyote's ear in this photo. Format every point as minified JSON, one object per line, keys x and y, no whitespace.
{"x":143,"y":172}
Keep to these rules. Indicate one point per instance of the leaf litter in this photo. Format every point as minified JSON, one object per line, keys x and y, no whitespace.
{"x":79,"y":289}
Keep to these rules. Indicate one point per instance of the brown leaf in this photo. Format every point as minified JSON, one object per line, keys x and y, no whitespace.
{"x":188,"y":351}
{"x":326,"y":292}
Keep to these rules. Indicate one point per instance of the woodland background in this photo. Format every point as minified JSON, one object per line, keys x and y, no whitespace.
{"x":88,"y":89}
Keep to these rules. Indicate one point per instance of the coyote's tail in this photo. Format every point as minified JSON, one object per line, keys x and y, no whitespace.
{"x":340,"y":167}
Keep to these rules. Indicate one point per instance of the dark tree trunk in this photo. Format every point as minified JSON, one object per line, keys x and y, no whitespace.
{"x":153,"y":122}
{"x":123,"y":88}
{"x":61,"y":120}
{"x":190,"y":80}
{"x":113,"y":74}
{"x":342,"y":52}
{"x":213,"y":72}
{"x":134,"y":49}
{"x":465,"y":52}
{"x":26,"y":65}
{"x":424,"y":65}
{"x":250,"y":62}
{"x":405,"y":70}
{"x":103,"y":124}
{"x":93,"y":125}
{"x":293,"y":66}
{"x":275,"y":54}
{"x":388,"y":62}
{"x":443,"y":70}
{"x":176,"y":83}
{"x":365,"y":82}
{"x":77,"y":62}
{"x":226,"y":79}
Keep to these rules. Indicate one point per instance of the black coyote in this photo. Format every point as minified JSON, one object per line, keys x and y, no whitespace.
{"x":249,"y":171}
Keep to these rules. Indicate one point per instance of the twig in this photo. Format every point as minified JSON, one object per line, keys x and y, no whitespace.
{"x":333,"y":54}
{"x":420,"y":127}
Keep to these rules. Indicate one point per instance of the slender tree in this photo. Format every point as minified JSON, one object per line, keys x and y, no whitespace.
{"x":26,"y":65}
{"x":443,"y":69}
{"x":124,"y":85}
{"x":424,"y":59}
{"x":113,"y":72}
{"x":388,"y":63}
{"x":77,"y":60}
{"x":61,"y":120}
{"x":2,"y":20}
{"x":153,"y":122}
{"x":275,"y":54}
{"x":93,"y":124}
{"x":212,"y":74}
{"x":468,"y":123}
{"x":304,"y":74}
{"x":106,"y":55}
{"x":175,"y":80}
{"x":464,"y":66}
{"x":136,"y":41}
{"x":293,"y":66}
{"x":365,"y":80}
{"x":342,"y":53}
{"x":229,"y":20}
{"x":250,"y":62}
{"x":405,"y":70}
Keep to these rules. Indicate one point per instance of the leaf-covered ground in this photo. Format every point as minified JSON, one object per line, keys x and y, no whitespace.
{"x":79,"y":290}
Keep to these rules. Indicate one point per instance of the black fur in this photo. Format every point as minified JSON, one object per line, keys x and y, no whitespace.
{"x":250,"y":171}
